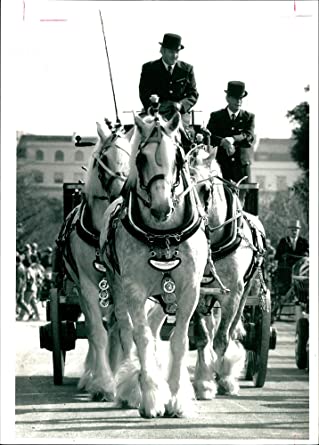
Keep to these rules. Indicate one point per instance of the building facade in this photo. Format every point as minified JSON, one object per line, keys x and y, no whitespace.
{"x":54,"y":160}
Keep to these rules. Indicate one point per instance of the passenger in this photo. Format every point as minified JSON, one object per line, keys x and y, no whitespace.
{"x":292,"y":246}
{"x":173,"y":81}
{"x":233,"y":131}
{"x":289,"y":250}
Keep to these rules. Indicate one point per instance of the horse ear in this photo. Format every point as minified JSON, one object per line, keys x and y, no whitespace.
{"x":139,"y":122}
{"x":173,"y":123}
{"x":100,"y":131}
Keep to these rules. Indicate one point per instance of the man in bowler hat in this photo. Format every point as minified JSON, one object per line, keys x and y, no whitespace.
{"x":173,"y":81}
{"x":289,"y":250}
{"x":292,"y":246}
{"x":232,"y":131}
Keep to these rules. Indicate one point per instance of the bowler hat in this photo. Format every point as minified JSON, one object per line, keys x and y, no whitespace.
{"x":236,"y":89}
{"x":295,"y":224}
{"x":172,"y":41}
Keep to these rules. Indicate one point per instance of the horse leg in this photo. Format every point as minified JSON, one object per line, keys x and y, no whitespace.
{"x":204,"y":383}
{"x":101,"y":385}
{"x":230,"y":353}
{"x":154,"y":391}
{"x":181,"y":402}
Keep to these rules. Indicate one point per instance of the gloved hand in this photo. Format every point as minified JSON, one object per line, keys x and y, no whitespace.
{"x":168,"y":108}
{"x":226,"y":144}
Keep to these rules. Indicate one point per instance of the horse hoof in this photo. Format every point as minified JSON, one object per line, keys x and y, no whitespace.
{"x":151,"y":415}
{"x":103,"y":397}
{"x":227,"y":387}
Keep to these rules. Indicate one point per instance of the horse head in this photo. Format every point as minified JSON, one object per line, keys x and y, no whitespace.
{"x":158,"y":161}
{"x":203,"y":167}
{"x":109,"y":166}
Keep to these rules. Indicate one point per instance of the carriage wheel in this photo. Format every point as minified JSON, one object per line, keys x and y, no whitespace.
{"x":58,"y":354}
{"x":262,"y":350}
{"x":257,"y":359}
{"x":302,"y":335}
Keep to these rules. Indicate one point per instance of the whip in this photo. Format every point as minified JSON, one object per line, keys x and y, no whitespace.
{"x":110,"y":72}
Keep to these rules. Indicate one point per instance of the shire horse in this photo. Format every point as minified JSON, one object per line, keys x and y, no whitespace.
{"x":78,"y":251}
{"x":237,"y":245}
{"x":153,"y":244}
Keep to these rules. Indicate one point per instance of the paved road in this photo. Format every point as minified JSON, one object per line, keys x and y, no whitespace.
{"x":280,"y":410}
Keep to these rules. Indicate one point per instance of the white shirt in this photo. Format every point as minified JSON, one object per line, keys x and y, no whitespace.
{"x":229,"y":138}
{"x":231,"y":113}
{"x":166,"y":66}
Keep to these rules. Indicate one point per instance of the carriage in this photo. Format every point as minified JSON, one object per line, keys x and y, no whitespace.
{"x":300,"y":289}
{"x":66,"y":323}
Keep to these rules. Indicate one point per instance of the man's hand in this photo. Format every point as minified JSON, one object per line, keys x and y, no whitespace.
{"x":168,"y":108}
{"x":228,"y":146}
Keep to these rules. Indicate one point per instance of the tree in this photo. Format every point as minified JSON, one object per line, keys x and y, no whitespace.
{"x":38,"y":216}
{"x":300,"y":151}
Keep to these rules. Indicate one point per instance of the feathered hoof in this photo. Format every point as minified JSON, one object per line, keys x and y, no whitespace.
{"x":205,"y":390}
{"x":228,"y":386}
{"x":152,"y":413}
{"x":101,"y":393}
{"x":179,"y":407}
{"x":128,"y":399}
{"x":102,"y":396}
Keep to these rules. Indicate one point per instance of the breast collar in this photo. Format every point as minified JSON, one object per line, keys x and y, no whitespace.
{"x":132,"y":222}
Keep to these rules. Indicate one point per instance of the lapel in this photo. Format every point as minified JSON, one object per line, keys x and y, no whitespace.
{"x":178,"y":72}
{"x":160,"y":68}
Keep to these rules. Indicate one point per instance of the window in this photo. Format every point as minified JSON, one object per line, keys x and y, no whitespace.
{"x":59,"y":155}
{"x":39,"y":155}
{"x":281,"y":182}
{"x":38,"y":176}
{"x":79,"y":155}
{"x":58,"y":177}
{"x":261,"y":181}
{"x":78,"y":177}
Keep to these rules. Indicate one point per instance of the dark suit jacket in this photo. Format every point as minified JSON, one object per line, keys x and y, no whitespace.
{"x":180,"y":87}
{"x":220,"y":125}
{"x":285,"y":248}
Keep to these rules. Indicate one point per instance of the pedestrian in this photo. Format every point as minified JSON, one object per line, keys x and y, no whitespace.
{"x":31,"y":290}
{"x":233,"y":132}
{"x":21,"y":306}
{"x":173,"y":81}
{"x":35,"y":252}
{"x":46,"y":258}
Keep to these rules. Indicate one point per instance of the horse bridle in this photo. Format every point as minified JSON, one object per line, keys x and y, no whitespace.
{"x":157,"y":138}
{"x":112,"y":175}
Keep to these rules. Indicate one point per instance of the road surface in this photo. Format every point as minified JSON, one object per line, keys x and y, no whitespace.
{"x":279,"y":410}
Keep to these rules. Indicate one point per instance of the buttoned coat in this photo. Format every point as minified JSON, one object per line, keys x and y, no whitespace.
{"x":178,"y":87}
{"x":220,"y":125}
{"x":286,"y":255}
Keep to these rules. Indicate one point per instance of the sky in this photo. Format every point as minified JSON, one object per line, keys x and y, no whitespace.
{"x":62,"y":79}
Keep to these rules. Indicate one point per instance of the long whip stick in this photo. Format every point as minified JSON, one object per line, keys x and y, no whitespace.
{"x":110,"y":72}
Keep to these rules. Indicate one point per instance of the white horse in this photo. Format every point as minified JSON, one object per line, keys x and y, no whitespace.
{"x":79,"y":246}
{"x":154,"y":242}
{"x":221,"y":357}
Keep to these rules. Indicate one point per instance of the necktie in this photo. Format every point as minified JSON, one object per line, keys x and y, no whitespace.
{"x":170,"y":69}
{"x":233,"y":116}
